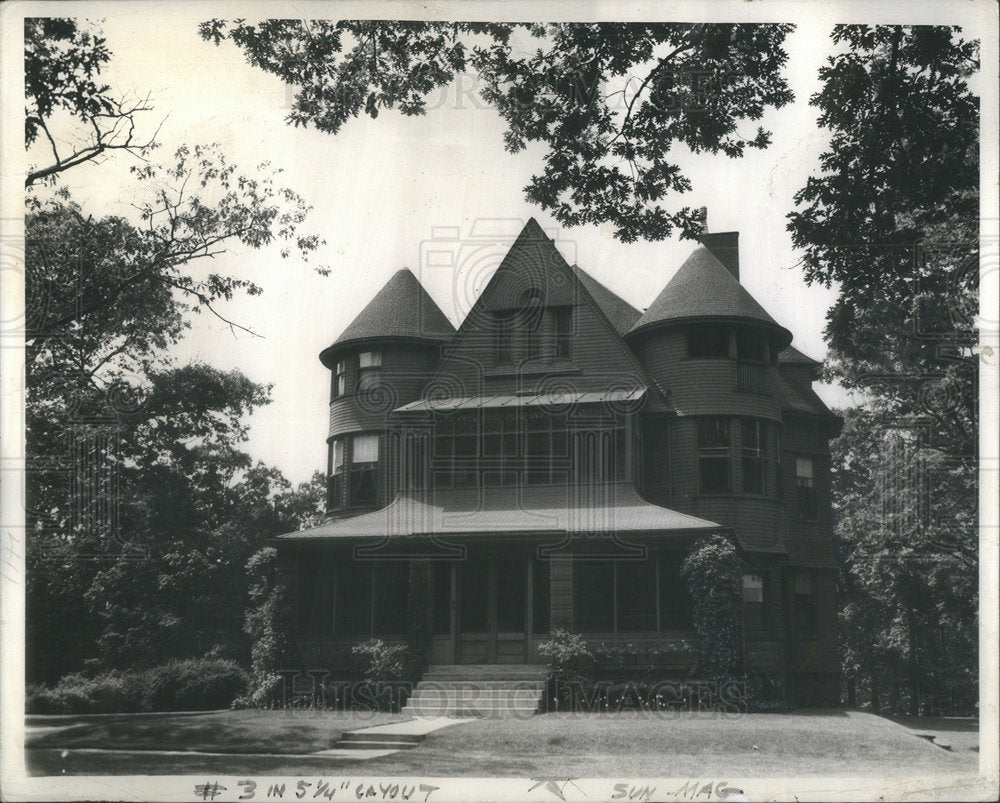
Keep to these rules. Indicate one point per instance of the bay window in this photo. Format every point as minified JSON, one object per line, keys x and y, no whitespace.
{"x":714,"y":455}
{"x":754,"y":448}
{"x":808,"y":507}
{"x":353,"y":471}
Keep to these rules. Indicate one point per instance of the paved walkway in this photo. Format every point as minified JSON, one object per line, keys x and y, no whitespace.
{"x":407,"y":735}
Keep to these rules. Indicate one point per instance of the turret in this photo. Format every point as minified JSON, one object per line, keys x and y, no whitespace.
{"x":379,"y":362}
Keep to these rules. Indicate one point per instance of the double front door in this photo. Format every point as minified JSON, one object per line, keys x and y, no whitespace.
{"x":492,"y":610}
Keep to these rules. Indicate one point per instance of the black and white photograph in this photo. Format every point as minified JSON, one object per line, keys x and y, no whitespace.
{"x":499,"y":401}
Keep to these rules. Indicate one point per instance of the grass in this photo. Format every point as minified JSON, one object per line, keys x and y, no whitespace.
{"x":680,"y":745}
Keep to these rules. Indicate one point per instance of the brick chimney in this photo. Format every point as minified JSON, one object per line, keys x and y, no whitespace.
{"x":725,"y":245}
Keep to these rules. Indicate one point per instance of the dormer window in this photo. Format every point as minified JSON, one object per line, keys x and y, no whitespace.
{"x":369,"y":368}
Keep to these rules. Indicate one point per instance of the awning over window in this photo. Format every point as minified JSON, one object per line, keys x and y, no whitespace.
{"x":625,"y":398}
{"x":555,"y":509}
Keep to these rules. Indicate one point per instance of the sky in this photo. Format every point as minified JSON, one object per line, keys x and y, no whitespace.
{"x":391,"y":192}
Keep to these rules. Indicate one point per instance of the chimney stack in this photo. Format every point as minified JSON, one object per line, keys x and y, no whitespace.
{"x":725,"y":246}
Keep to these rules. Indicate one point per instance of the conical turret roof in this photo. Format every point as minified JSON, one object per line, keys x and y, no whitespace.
{"x":401,"y":310}
{"x":703,"y":288}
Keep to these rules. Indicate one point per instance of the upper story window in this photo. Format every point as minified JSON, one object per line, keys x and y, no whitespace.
{"x":805,"y":604}
{"x":751,"y":344}
{"x":369,"y":368}
{"x":363,"y":490}
{"x":523,"y":447}
{"x":754,"y":612}
{"x":779,"y":471}
{"x":533,"y":333}
{"x":563,"y":317}
{"x":807,"y":502}
{"x":708,"y":342}
{"x":353,"y":472}
{"x":340,"y":379}
{"x":714,"y":454}
{"x":754,"y":446}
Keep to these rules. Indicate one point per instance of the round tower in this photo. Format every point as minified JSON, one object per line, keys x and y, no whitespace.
{"x":715,"y":349}
{"x":381,"y":361}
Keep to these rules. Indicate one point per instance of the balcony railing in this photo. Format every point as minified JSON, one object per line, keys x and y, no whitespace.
{"x":750,"y":376}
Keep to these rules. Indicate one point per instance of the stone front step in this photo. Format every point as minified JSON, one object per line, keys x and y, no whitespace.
{"x":480,"y":685}
{"x":463,"y":710}
{"x":475,"y":694}
{"x":483,"y":690}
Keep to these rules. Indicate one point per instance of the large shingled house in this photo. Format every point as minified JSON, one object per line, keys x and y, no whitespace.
{"x":549,"y":463}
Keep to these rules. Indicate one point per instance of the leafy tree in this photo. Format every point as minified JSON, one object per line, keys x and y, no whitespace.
{"x":714,"y":580}
{"x":63,"y":59}
{"x":892,"y":219}
{"x":608,"y":100}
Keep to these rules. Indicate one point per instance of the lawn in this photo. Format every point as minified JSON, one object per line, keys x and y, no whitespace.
{"x":594,"y":745}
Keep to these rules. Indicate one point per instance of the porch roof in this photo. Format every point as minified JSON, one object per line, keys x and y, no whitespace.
{"x":554,"y":509}
{"x":617,"y":397}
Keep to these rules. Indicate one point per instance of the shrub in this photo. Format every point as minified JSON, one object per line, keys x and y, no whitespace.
{"x":714,"y":578}
{"x":380,"y":661}
{"x":570,"y":663}
{"x":110,"y":693}
{"x":194,"y":685}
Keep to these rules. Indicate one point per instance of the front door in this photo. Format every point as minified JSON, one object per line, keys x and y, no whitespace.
{"x":492,"y":610}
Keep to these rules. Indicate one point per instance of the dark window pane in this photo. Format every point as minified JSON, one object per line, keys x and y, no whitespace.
{"x":511,"y":592}
{"x":564,"y":329}
{"x":442,"y":598}
{"x":708,"y":341}
{"x":636,"y":595}
{"x":675,"y":602}
{"x":392,"y":584}
{"x":593,"y":596}
{"x":713,"y":433}
{"x":714,"y":474}
{"x":753,"y":601}
{"x":474,"y":599}
{"x":354,"y":599}
{"x":364,"y":488}
{"x":540,"y":596}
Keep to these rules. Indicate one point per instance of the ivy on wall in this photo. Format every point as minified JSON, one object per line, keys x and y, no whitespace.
{"x":714,"y":577}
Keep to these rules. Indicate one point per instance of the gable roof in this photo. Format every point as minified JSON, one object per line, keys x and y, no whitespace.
{"x":533,"y":263}
{"x":620,"y":314}
{"x":401,"y":310}
{"x":705,"y":288}
{"x":800,"y":398}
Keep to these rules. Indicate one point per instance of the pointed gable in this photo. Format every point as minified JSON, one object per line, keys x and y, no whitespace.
{"x":704,"y":288}
{"x":401,"y":310}
{"x":533,"y":281}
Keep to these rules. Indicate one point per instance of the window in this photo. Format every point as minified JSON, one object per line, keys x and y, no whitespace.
{"x":364,"y":471}
{"x":779,"y":471}
{"x":708,"y":342}
{"x":563,"y":332}
{"x":594,"y":596}
{"x":808,"y":507}
{"x":805,"y":605}
{"x":455,"y":451}
{"x":369,"y":367}
{"x":505,"y":337}
{"x":599,"y":456}
{"x":752,"y":345}
{"x":540,"y":596}
{"x":390,"y":597}
{"x":714,"y":452}
{"x":675,"y":602}
{"x":630,"y":596}
{"x":371,"y":598}
{"x":335,"y":487}
{"x":753,"y":602}
{"x":635,"y":589}
{"x":340,"y":379}
{"x":441,"y":617}
{"x":754,"y":435}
